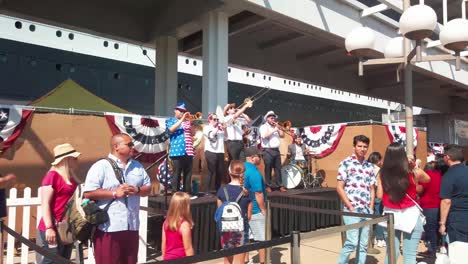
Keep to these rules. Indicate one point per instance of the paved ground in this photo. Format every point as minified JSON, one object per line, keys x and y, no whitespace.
{"x":321,"y":250}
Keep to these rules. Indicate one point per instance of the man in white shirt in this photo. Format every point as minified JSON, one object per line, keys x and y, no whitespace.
{"x":297,"y":152}
{"x":270,"y":134}
{"x":234,"y":119}
{"x":214,"y":134}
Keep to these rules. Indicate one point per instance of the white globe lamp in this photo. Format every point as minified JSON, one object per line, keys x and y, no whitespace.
{"x":418,"y":22}
{"x":360,"y":42}
{"x":454,"y":35}
{"x":394,"y":48}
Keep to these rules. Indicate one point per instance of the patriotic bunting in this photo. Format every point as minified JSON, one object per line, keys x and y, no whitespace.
{"x":436,"y":148}
{"x":322,"y":140}
{"x":398,"y":134}
{"x":164,"y":175}
{"x":13,"y":119}
{"x":148,"y":133}
{"x":253,"y":138}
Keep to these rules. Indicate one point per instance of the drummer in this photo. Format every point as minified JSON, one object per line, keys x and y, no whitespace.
{"x":298,"y":153}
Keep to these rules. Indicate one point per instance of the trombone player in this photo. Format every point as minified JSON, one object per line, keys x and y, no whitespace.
{"x":271,"y":133}
{"x":234,"y":119}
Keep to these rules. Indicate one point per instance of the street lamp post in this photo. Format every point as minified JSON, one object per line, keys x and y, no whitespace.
{"x":416,"y":23}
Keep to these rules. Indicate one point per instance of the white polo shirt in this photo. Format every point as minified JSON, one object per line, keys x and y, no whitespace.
{"x":234,"y":127}
{"x":273,"y":141}
{"x":213,"y":144}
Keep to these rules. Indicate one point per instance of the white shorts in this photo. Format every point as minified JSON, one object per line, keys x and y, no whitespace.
{"x":257,"y":227}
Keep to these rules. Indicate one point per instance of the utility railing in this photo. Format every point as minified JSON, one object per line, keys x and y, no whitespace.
{"x":30,"y":205}
{"x":293,"y":239}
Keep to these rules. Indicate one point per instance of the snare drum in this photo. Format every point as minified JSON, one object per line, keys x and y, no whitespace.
{"x":291,"y":175}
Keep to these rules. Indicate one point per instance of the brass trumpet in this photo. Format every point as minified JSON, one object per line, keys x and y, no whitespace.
{"x":196,"y":116}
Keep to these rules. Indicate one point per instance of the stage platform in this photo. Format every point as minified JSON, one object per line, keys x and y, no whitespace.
{"x":205,"y":233}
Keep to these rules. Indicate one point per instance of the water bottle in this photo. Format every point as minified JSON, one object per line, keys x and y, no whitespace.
{"x":195,"y":186}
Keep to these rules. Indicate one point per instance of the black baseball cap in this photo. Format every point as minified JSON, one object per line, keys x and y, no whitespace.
{"x":251,"y":151}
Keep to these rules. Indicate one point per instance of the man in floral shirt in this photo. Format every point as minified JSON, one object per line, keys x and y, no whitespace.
{"x":355,"y":187}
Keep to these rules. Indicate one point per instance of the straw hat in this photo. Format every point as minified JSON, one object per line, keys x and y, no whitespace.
{"x":64,"y":150}
{"x":227,"y":107}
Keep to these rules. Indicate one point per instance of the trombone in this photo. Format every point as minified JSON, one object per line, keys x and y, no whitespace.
{"x":255,"y":97}
{"x":285,"y":127}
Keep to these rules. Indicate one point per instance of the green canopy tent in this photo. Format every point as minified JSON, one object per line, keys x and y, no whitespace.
{"x":70,"y":94}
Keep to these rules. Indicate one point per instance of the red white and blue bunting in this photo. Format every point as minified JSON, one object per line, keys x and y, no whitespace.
{"x":321,"y":140}
{"x":148,"y":133}
{"x":398,"y":134}
{"x":13,"y":119}
{"x":436,"y":148}
{"x":253,"y":138}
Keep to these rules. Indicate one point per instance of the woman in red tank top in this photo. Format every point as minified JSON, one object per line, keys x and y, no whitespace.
{"x":177,"y":229}
{"x":397,"y":188}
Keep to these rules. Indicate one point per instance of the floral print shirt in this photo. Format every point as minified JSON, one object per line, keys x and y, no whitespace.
{"x":358,"y":178}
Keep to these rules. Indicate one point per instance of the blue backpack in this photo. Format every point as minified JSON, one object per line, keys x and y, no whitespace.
{"x":228,"y":216}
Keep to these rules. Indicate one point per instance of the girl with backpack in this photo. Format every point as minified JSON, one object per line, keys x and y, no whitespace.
{"x":57,"y":187}
{"x":177,"y":229}
{"x":227,"y":195}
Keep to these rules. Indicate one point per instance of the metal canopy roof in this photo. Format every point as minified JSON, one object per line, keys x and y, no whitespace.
{"x":301,"y":39}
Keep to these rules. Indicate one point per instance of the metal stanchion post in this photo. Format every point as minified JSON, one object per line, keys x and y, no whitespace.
{"x":370,"y":244}
{"x":1,"y":240}
{"x":343,"y":234}
{"x":267,"y":230}
{"x":391,"y":239}
{"x":79,"y":253}
{"x":295,"y":247}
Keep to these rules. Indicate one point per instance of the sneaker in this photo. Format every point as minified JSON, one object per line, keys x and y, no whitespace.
{"x":381,"y":243}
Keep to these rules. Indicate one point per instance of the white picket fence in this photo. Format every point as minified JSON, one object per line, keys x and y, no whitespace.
{"x":27,"y":202}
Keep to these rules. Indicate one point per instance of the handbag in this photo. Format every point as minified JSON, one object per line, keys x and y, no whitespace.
{"x":421,"y":215}
{"x":63,"y":226}
{"x":405,"y":219}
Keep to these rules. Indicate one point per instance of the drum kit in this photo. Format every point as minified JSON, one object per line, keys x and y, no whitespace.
{"x":299,"y":174}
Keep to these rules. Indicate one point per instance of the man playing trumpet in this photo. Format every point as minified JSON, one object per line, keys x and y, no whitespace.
{"x":270,"y":133}
{"x":234,"y":119}
{"x":214,"y":134}
{"x":181,"y":147}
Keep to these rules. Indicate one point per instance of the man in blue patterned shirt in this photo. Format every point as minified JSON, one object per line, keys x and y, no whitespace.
{"x":181,"y":148}
{"x":355,"y":187}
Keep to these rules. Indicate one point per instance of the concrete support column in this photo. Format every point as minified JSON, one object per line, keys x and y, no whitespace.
{"x":215,"y":62}
{"x":166,"y":76}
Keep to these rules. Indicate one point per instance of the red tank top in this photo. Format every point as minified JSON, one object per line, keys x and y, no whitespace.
{"x":406,"y":202}
{"x":174,"y":243}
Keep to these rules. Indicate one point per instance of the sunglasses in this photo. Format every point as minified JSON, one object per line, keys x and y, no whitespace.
{"x":130,"y":144}
{"x":216,"y":119}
